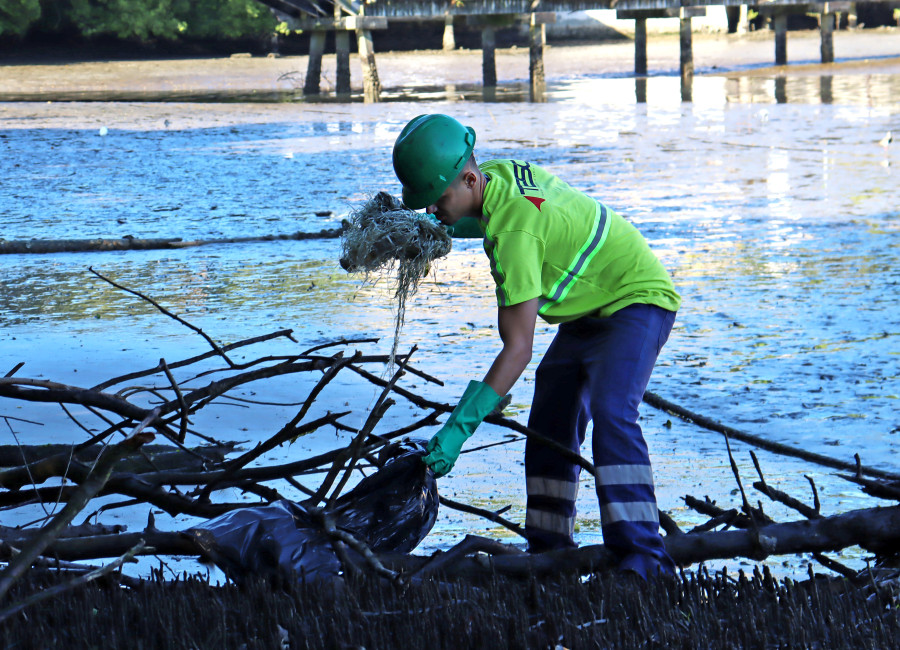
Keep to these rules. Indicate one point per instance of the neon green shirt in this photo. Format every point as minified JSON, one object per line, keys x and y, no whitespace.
{"x":549,"y":241}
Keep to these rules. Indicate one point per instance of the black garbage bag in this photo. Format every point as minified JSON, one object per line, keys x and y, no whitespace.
{"x":392,"y":511}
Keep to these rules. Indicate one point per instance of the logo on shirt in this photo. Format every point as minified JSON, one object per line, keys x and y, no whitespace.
{"x":525,"y":183}
{"x":524,"y":177}
{"x":535,"y":200}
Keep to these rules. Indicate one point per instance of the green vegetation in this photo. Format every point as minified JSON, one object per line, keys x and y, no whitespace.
{"x":17,"y":15}
{"x":141,"y":20}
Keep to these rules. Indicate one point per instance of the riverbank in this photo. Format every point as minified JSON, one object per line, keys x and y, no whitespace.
{"x":856,"y":51}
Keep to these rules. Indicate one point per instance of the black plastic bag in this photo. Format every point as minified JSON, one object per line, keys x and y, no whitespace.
{"x":392,"y":511}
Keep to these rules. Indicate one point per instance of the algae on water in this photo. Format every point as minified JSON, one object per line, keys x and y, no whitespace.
{"x":386,"y":238}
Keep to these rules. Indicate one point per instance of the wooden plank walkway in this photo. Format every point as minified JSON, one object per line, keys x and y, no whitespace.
{"x":345,"y":16}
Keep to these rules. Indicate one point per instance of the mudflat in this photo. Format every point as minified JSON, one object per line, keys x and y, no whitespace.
{"x":855,"y":50}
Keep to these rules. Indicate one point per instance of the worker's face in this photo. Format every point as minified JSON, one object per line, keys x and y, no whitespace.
{"x":458,"y":201}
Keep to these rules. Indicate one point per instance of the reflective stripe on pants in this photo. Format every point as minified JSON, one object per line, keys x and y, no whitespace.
{"x":552,"y":522}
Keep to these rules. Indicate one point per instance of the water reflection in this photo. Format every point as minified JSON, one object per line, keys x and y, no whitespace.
{"x":825,"y":89}
{"x":780,"y":90}
{"x":218,"y":281}
{"x":640,"y":90}
{"x":852,"y":89}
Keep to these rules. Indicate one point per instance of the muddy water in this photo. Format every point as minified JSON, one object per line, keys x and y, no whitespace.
{"x":769,"y":198}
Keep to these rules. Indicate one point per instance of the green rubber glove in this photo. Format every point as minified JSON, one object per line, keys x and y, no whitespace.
{"x":444,"y":447}
{"x":465,"y":228}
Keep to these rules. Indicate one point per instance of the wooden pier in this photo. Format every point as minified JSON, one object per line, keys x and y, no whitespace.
{"x":344,"y":17}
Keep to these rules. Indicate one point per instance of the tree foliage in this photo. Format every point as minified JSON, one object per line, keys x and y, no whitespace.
{"x":142,"y":20}
{"x":225,"y":18}
{"x":16,"y":16}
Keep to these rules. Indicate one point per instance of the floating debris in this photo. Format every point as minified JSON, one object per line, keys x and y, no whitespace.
{"x":385,"y":237}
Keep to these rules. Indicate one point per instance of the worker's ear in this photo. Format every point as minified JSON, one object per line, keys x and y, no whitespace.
{"x":471,"y":179}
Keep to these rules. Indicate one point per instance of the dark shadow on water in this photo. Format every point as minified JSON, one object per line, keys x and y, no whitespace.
{"x":801,"y":86}
{"x":502,"y":93}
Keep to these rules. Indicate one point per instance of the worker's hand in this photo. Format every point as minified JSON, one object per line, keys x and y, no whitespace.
{"x":444,"y":447}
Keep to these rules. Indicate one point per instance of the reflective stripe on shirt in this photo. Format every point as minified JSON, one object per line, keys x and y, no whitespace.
{"x":496,"y":272}
{"x":584,"y":256}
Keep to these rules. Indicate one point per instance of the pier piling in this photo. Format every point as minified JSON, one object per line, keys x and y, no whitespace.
{"x":826,"y":28}
{"x":488,"y":57}
{"x":640,"y":46}
{"x":537,"y":36}
{"x":779,"y":21}
{"x":687,"y":58}
{"x":371,"y":84}
{"x":311,"y":85}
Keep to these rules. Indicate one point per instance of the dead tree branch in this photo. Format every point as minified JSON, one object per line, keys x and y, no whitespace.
{"x":44,"y":246}
{"x":785,"y":450}
{"x":86,"y":491}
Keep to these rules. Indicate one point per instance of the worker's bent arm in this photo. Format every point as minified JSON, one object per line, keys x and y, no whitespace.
{"x":516,"y":325}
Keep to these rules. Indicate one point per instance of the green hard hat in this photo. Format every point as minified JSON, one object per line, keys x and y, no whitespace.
{"x":428,"y":155}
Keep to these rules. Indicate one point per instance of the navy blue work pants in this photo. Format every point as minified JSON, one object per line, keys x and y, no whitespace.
{"x":597,"y":369}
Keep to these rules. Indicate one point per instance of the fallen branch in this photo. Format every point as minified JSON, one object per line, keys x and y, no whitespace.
{"x":785,"y":450}
{"x":86,"y":491}
{"x":827,"y":534}
{"x":23,"y":246}
{"x":79,"y":581}
{"x":212,"y":344}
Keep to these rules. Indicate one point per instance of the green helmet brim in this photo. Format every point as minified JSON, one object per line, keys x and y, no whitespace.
{"x":418,"y":200}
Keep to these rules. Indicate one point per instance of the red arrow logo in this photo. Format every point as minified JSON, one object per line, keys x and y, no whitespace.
{"x":536,"y":201}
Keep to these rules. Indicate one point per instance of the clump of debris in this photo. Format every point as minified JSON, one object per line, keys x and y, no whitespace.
{"x":384,"y":237}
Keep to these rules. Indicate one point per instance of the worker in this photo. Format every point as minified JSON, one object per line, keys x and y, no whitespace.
{"x":559,"y":254}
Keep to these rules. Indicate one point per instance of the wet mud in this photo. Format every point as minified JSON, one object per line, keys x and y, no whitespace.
{"x":771,"y":198}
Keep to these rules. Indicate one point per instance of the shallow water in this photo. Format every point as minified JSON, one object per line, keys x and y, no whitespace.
{"x":775,"y":210}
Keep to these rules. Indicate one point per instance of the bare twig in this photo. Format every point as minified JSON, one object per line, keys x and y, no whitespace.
{"x":875,"y":488}
{"x":52,"y":592}
{"x":85,"y":493}
{"x":782,"y":497}
{"x":481,"y":512}
{"x":748,"y":509}
{"x":375,"y":415}
{"x":817,"y":506}
{"x":785,"y":450}
{"x":192,"y":360}
{"x":331,"y":344}
{"x":837,"y":567}
{"x":182,"y":430}
{"x":213,"y":344}
{"x":15,"y":369}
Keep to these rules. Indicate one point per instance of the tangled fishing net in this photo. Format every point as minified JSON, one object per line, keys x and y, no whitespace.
{"x":384,"y":237}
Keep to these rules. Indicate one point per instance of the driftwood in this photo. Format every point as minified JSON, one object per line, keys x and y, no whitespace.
{"x":22,"y":246}
{"x":786,"y":450}
{"x":876,"y":529}
{"x":99,"y":467}
{"x":154,"y":457}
